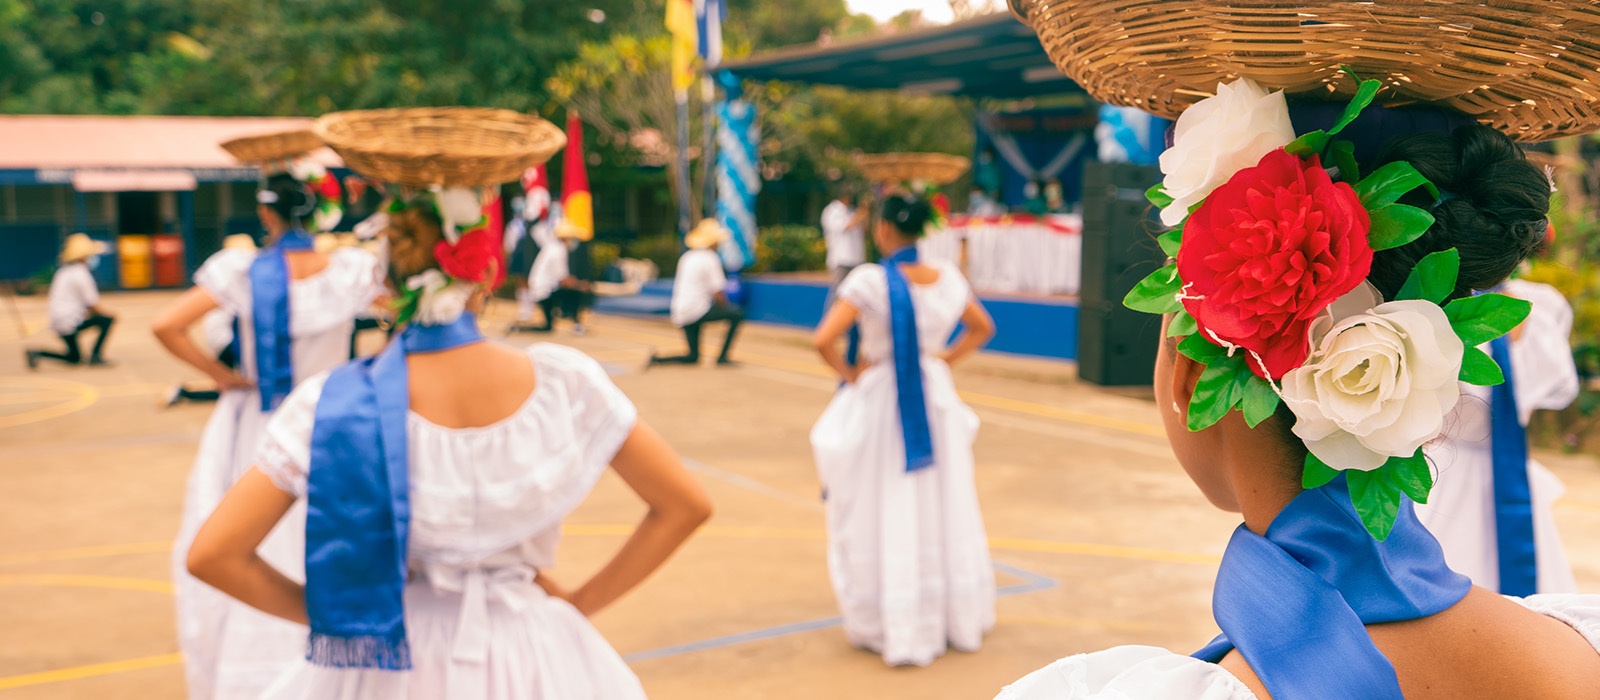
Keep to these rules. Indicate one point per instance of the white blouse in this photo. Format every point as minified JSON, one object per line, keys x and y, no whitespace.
{"x":938,"y":306}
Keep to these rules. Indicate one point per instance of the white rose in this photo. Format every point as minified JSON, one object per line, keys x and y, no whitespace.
{"x":1220,"y":136}
{"x":1377,"y":385}
{"x":306,"y":170}
{"x":442,"y":300}
{"x":460,"y":206}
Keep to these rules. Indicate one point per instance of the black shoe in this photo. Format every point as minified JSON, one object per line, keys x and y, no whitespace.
{"x":100,"y":362}
{"x":174,"y":395}
{"x":725,"y":362}
{"x":33,"y":360}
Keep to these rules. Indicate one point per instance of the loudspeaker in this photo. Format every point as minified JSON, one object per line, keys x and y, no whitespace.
{"x":1117,"y":346}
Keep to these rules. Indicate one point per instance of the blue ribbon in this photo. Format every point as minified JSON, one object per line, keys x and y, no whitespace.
{"x":1513,"y":497}
{"x":358,"y":514}
{"x":908,"y":362}
{"x":269,"y":311}
{"x":1296,"y":602}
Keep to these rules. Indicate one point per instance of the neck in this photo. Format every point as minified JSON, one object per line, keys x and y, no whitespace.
{"x":1264,"y":483}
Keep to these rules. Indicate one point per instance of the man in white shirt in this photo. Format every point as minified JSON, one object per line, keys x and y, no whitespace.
{"x":74,"y":304}
{"x":844,"y":231}
{"x":699,"y":295}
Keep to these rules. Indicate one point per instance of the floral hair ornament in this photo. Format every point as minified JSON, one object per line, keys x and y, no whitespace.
{"x":469,"y":256}
{"x":1273,"y":241}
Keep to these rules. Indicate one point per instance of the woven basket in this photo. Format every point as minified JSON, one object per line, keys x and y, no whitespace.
{"x":267,"y":148}
{"x":1525,"y":67}
{"x":935,"y":168}
{"x":440,"y":145}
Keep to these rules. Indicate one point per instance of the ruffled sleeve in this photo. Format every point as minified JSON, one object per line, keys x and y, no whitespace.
{"x":602,"y":416}
{"x":1128,"y":673}
{"x":285,"y":454}
{"x":866,"y":288}
{"x":1580,"y":612}
{"x":342,"y":291}
{"x":226,"y":277}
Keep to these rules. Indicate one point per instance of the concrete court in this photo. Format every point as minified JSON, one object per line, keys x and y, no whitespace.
{"x":1100,"y":538}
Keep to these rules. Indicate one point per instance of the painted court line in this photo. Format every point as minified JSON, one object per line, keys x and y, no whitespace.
{"x":90,"y":671}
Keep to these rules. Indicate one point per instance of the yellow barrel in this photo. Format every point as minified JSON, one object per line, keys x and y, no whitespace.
{"x":138,"y":265}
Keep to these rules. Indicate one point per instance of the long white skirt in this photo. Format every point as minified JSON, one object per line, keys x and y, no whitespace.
{"x":907,"y":552}
{"x":546,"y":650}
{"x":1460,"y":514}
{"x":232,"y":651}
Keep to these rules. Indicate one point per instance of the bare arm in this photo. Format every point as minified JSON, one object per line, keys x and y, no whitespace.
{"x":840,"y":317}
{"x":979,"y":329}
{"x":224,"y":551}
{"x":678,"y":505}
{"x":171,"y":328}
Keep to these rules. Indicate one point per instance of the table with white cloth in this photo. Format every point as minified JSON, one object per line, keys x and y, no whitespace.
{"x":1014,"y":254}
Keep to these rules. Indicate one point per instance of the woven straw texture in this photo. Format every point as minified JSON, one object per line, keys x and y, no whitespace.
{"x":1525,"y":67}
{"x":936,"y":168}
{"x":440,"y":145}
{"x":268,"y":148}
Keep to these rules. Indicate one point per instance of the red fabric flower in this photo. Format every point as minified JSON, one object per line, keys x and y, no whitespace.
{"x":473,"y":258}
{"x":1267,"y":252}
{"x":328,"y":189}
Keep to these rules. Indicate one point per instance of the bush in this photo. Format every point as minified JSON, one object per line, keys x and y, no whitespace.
{"x":661,"y":250}
{"x":790,"y":249}
{"x":603,"y":255}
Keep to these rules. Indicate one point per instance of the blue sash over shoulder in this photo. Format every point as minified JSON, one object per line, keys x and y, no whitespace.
{"x":913,"y":403}
{"x":269,"y":315}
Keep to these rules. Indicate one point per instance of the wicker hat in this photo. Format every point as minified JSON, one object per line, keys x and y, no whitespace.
{"x":440,"y":145}
{"x":239,"y":241}
{"x":935,"y":168}
{"x":80,"y":246}
{"x":567,"y":230}
{"x":268,"y":148}
{"x":1525,"y":67}
{"x":707,"y":234}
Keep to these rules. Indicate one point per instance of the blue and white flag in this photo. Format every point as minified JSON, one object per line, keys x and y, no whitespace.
{"x":708,"y":18}
{"x":738,"y":175}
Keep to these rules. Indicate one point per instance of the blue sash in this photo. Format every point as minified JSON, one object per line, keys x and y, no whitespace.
{"x":358,"y":512}
{"x":1295,"y":602}
{"x":269,"y":311}
{"x":908,"y":362}
{"x":1513,"y":497}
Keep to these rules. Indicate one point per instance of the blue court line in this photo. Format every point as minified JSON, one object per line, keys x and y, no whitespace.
{"x":1031,"y":582}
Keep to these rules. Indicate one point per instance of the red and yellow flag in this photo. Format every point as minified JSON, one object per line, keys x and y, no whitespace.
{"x":577,"y":206}
{"x":685,"y":43}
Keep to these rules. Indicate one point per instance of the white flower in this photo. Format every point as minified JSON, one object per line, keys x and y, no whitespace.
{"x":306,"y":170}
{"x":442,"y":301}
{"x":1377,"y":385}
{"x":1220,"y":136}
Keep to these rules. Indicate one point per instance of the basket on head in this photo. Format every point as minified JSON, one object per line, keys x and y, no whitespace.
{"x":268,"y":148}
{"x":934,"y":168}
{"x":440,"y":145}
{"x":1525,"y":67}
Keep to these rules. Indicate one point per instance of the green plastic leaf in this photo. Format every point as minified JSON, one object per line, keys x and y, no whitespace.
{"x":1412,"y":474}
{"x":1260,"y":401}
{"x":1367,"y":90}
{"x":1169,"y":241}
{"x":1157,"y":293}
{"x":1182,"y":324}
{"x":1342,"y":155}
{"x":1317,"y":472}
{"x":1434,"y":277}
{"x":1478,"y":369}
{"x":1482,"y":318}
{"x":1377,"y":500}
{"x":1157,"y":195}
{"x":1395,"y":225}
{"x":1308,"y":144}
{"x":1217,"y":392}
{"x":1197,"y":348}
{"x":1388,"y":184}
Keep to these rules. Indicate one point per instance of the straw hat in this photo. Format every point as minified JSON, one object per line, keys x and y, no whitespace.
{"x":324,"y":242}
{"x":707,"y":234}
{"x":80,"y":246}
{"x":1530,"y":68}
{"x":567,"y":230}
{"x":239,"y":241}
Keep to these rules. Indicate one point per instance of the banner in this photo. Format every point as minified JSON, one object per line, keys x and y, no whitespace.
{"x":576,"y":202}
{"x":738,"y":179}
{"x":1018,"y":148}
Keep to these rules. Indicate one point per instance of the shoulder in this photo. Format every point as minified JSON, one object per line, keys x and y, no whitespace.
{"x":566,"y":364}
{"x":352,"y":261}
{"x":1539,"y":293}
{"x":229,"y":262}
{"x":865,"y":283}
{"x":1128,"y":673}
{"x":1580,"y":612}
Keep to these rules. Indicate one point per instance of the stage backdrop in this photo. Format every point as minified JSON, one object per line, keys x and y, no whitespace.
{"x":1039,"y":145}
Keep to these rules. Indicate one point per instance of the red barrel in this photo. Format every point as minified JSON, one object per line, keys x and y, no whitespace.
{"x":167,"y":249}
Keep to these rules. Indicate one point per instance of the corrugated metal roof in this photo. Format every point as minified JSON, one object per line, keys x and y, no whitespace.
{"x":52,"y":142}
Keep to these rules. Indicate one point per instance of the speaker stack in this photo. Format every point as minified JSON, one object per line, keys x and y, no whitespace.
{"x":1117,"y":346}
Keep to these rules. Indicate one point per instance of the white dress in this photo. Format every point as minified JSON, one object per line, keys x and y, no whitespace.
{"x":1460,"y":510}
{"x":230,"y":650}
{"x":1152,"y":673}
{"x":486,"y":511}
{"x":907,"y":552}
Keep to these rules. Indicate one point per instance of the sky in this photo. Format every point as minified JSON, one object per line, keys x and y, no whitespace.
{"x":933,"y":10}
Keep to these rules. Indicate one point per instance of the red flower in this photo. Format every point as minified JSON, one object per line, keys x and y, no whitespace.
{"x":328,"y":189}
{"x":1267,"y":252}
{"x":473,"y":258}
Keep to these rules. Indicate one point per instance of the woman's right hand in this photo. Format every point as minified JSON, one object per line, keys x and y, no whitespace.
{"x":227,"y":381}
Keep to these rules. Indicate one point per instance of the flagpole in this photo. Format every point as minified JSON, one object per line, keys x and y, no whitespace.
{"x":708,"y":125}
{"x":685,"y":221}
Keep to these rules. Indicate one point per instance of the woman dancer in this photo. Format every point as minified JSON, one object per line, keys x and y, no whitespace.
{"x":906,"y":545}
{"x":486,"y":448}
{"x":1277,"y":303}
{"x":1493,"y":507}
{"x":296,"y":308}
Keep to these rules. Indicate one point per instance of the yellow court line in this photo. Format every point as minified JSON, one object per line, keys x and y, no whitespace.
{"x":89,"y":671}
{"x":110,"y":550}
{"x":18,"y":398}
{"x":121,"y":583}
{"x":85,"y":397}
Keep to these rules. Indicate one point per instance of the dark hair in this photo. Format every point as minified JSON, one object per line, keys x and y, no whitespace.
{"x":908,"y":213}
{"x":413,"y":232}
{"x":293,"y":199}
{"x":1492,"y":209}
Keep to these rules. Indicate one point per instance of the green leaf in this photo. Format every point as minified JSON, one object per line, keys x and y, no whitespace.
{"x":1482,"y":318}
{"x":1377,"y":500}
{"x":1197,"y":348}
{"x":1395,"y":225}
{"x":1216,"y":393}
{"x":1367,"y":90}
{"x":1260,"y":401}
{"x":1157,"y":293}
{"x":1389,"y":183}
{"x":1308,"y":144}
{"x":1342,"y":154}
{"x":1157,"y":195}
{"x":1434,"y":278}
{"x":1317,"y":472}
{"x":1412,"y":474}
{"x":1478,"y":369}
{"x":1169,"y":241}
{"x":1182,"y":325}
